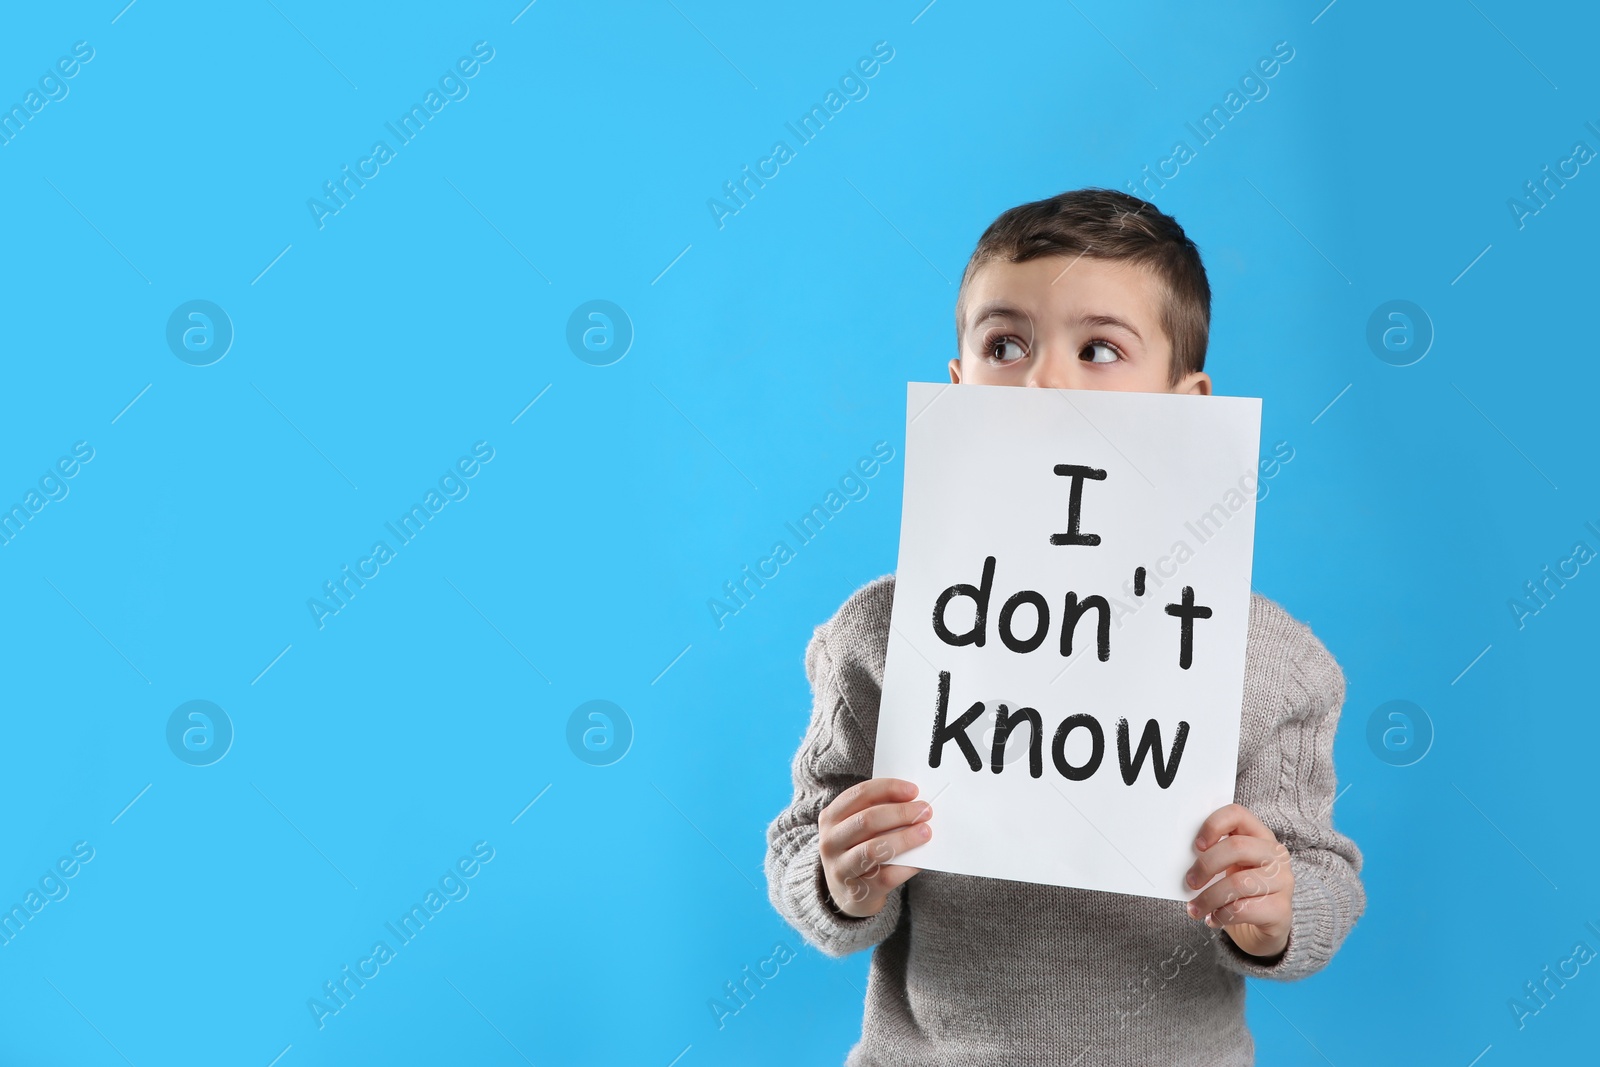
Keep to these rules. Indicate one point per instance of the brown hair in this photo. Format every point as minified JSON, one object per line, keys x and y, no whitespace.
{"x":1107,"y":224}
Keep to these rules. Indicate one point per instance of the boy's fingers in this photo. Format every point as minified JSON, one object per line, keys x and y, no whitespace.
{"x":1235,"y":851}
{"x":874,"y":821}
{"x":1260,"y":910}
{"x":878,"y":883}
{"x":1248,"y":883}
{"x":864,"y":795}
{"x":869,"y":858}
{"x":1230,"y":819}
{"x":856,"y":890}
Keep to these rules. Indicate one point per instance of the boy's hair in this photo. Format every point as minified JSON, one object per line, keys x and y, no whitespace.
{"x":1107,"y":224}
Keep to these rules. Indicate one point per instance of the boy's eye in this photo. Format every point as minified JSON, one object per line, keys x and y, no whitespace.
{"x":1087,"y":355}
{"x":995,"y":350}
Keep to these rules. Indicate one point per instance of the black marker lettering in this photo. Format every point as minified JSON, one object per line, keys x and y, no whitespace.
{"x":980,"y":596}
{"x":1058,"y":748}
{"x":1041,"y":631}
{"x":1150,"y":742}
{"x":1188,"y":611}
{"x":957,"y":730}
{"x":1075,"y":611}
{"x":1003,"y":724}
{"x":1075,"y":504}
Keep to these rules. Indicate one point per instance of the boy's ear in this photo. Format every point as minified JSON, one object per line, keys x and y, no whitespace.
{"x":955,"y":371}
{"x":1196,"y":382}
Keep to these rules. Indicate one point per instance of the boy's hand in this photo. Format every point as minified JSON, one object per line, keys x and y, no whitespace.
{"x":1253,"y":903}
{"x":865,"y":826}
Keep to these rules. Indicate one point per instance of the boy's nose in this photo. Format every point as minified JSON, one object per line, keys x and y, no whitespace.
{"x":1050,"y":374}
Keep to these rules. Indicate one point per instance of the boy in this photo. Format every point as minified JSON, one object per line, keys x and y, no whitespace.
{"x":1091,"y":289}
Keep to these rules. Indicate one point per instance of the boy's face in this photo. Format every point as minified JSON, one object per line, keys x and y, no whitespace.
{"x":1060,"y":322}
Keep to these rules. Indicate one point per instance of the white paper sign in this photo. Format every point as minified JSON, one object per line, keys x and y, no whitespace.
{"x":1107,"y":538}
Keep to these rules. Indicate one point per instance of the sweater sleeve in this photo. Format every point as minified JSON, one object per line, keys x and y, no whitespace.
{"x":1288,"y":782}
{"x":835,"y":754}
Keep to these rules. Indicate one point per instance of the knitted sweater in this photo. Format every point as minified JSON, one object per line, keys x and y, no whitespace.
{"x":969,"y":970}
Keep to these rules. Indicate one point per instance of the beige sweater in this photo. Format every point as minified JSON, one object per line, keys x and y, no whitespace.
{"x":969,"y":970}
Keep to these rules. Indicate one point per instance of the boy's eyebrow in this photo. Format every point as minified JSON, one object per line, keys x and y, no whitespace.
{"x":1107,"y":320}
{"x":996,"y":310}
{"x":999,"y":310}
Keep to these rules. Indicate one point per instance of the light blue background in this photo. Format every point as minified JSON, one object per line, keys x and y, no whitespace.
{"x":431,"y":310}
